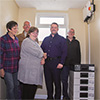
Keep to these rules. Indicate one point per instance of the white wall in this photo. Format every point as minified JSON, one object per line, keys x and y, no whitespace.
{"x":8,"y":11}
{"x":95,"y":46}
{"x":26,"y":14}
{"x":76,"y":22}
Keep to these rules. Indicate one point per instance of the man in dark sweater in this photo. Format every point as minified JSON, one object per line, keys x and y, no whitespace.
{"x":73,"y":57}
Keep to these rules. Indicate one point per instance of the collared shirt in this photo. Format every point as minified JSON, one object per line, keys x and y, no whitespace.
{"x":9,"y":53}
{"x":25,"y":33}
{"x":21,"y":37}
{"x":55,"y":47}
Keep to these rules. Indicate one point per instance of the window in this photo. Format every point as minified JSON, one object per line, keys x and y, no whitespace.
{"x":44,"y":21}
{"x":48,"y":20}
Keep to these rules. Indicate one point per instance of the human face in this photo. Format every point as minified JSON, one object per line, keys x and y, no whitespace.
{"x":54,"y":29}
{"x":33,"y":35}
{"x":13,"y":30}
{"x":71,"y":33}
{"x":26,"y":26}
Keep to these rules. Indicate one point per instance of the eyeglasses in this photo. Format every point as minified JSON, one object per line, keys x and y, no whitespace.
{"x":26,"y":25}
{"x":34,"y":32}
{"x":71,"y":32}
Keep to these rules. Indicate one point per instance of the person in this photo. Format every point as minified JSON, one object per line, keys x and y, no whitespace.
{"x":9,"y":57}
{"x":55,"y":46}
{"x":73,"y":57}
{"x":23,"y":35}
{"x":30,"y":73}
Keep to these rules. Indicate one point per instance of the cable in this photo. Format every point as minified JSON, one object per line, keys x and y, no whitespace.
{"x":92,"y":1}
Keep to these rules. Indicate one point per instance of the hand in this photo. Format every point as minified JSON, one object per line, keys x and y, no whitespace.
{"x":60,"y":66}
{"x":45,"y":55}
{"x":42,"y":61}
{"x":2,"y":73}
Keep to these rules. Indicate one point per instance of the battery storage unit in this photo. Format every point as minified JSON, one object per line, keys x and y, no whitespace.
{"x":82,"y":82}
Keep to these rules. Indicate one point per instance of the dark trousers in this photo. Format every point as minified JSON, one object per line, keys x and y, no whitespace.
{"x":28,"y":91}
{"x":64,"y":78}
{"x":52,"y":75}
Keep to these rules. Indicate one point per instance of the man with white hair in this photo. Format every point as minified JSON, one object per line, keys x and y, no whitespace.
{"x":23,"y":35}
{"x":73,"y":57}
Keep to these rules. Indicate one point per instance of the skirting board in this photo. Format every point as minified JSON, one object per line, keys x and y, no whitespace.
{"x":42,"y":96}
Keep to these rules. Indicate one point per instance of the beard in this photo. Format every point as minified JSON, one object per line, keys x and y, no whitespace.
{"x":53,"y":33}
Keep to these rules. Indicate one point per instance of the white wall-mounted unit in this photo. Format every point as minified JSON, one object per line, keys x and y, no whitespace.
{"x":88,"y":10}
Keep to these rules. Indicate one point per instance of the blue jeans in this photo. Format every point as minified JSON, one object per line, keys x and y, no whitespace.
{"x":64,"y":79}
{"x":12,"y":86}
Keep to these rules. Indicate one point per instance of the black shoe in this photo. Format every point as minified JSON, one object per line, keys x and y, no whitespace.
{"x":66,"y":98}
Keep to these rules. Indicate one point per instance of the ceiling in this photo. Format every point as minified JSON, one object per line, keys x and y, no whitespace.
{"x":52,"y":4}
